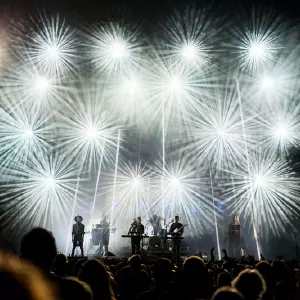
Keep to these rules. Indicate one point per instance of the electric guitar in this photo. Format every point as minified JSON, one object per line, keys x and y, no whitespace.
{"x":178,"y":229}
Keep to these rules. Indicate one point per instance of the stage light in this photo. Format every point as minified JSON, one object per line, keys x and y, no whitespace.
{"x":281,"y":131}
{"x":189,"y":52}
{"x":91,"y":132}
{"x":28,"y":133}
{"x":42,"y":84}
{"x":136,"y":181}
{"x":118,"y":49}
{"x":50,"y":181}
{"x":257,"y":51}
{"x":53,"y":53}
{"x":221,"y":132}
{"x":175,"y":182}
{"x":260,"y":181}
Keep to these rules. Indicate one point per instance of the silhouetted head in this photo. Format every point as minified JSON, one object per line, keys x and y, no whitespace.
{"x":176,"y":219}
{"x":195,"y":266}
{"x":72,"y":288}
{"x":162,"y":271}
{"x":135,"y":262}
{"x":227,"y":293}
{"x":250,"y":284}
{"x":20,"y":280}
{"x":139,"y":219}
{"x":94,"y":273}
{"x":78,"y":219}
{"x":60,"y":264}
{"x":224,"y":279}
{"x":267,"y":272}
{"x":195,"y":277}
{"x":38,"y":246}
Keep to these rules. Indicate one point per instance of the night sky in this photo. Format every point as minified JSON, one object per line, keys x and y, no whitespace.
{"x":139,"y":9}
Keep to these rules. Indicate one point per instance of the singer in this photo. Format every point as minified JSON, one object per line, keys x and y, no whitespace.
{"x":136,"y":230}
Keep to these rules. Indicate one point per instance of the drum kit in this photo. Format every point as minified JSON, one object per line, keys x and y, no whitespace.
{"x":97,"y":234}
{"x":158,"y":238}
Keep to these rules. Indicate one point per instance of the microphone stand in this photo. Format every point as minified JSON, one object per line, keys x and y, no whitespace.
{"x":166,"y":235}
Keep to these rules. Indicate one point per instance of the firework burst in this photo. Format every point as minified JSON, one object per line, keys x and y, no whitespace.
{"x":266,"y":192}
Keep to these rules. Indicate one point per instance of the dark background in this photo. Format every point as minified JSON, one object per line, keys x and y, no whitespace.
{"x":140,"y":9}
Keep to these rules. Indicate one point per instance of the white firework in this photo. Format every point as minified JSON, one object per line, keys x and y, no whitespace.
{"x":50,"y":43}
{"x":214,"y":130}
{"x":258,"y":40}
{"x":23,"y":132}
{"x":189,"y":36}
{"x":116,"y":48}
{"x":86,"y":128}
{"x":265,"y":193}
{"x":184,"y":192}
{"x":42,"y":188}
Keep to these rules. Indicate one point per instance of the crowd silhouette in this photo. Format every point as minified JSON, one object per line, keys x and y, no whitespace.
{"x":41,"y":273}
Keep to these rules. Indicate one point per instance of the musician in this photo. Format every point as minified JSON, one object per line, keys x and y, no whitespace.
{"x":78,"y":234}
{"x":136,"y":230}
{"x":176,"y":230}
{"x":156,"y":223}
{"x":104,"y":236}
{"x":234,"y":237}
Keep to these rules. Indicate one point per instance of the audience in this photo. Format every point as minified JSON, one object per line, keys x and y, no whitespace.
{"x":72,"y":288}
{"x":227,"y":293}
{"x":268,"y":273}
{"x":94,"y":273}
{"x":38,"y":247}
{"x":223,"y":279}
{"x":162,"y":275}
{"x":195,"y":279}
{"x":46,"y":275}
{"x":250,"y":284}
{"x":21,"y":281}
{"x":139,"y":278}
{"x":60,"y":265}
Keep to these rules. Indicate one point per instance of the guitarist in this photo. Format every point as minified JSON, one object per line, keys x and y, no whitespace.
{"x":176,"y":230}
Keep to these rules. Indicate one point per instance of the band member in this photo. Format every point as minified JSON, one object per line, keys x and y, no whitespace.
{"x":176,"y":230}
{"x":234,"y":237}
{"x":104,"y":236}
{"x":155,"y":221}
{"x":136,"y":230}
{"x":78,"y":234}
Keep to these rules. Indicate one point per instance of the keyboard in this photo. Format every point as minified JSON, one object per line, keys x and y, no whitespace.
{"x":172,"y":237}
{"x":132,"y":235}
{"x":147,"y":237}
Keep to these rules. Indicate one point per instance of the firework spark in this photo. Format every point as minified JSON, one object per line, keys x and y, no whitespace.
{"x":86,"y":126}
{"x":115,"y":48}
{"x":266,"y":191}
{"x":50,"y":44}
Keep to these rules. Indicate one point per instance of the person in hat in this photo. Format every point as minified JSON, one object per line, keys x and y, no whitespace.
{"x":78,"y":234}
